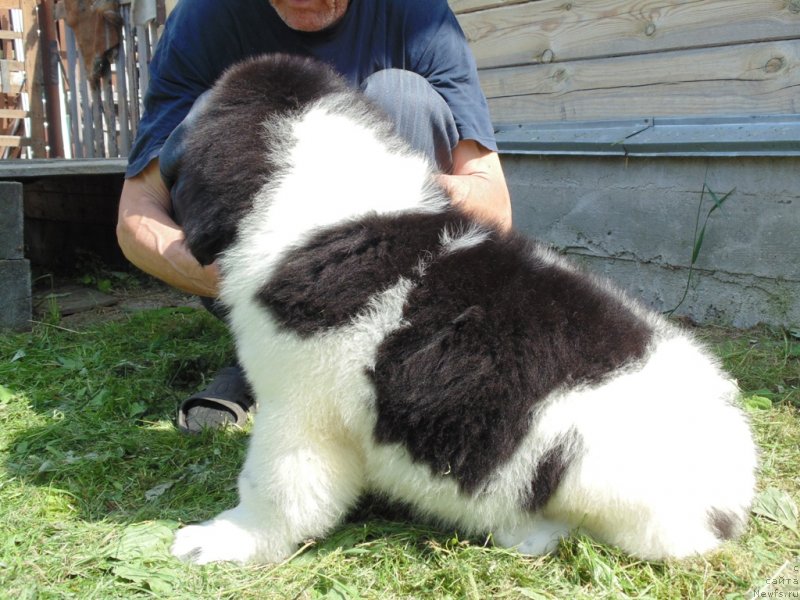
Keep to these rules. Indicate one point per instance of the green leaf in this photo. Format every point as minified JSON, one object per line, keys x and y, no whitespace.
{"x":5,"y":394}
{"x":159,"y":581}
{"x":776,"y":505}
{"x":69,"y":363}
{"x":136,"y":409}
{"x":143,"y":540}
{"x":158,"y":491}
{"x":755,"y":403}
{"x":532,"y":594}
{"x":339,"y":590}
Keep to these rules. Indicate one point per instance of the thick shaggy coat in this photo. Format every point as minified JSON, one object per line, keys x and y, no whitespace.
{"x":397,"y":346}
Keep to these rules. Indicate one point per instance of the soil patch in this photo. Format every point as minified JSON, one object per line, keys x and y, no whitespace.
{"x":77,"y":306}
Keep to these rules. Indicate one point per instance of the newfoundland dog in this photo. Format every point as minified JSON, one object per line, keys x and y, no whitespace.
{"x":397,"y":346}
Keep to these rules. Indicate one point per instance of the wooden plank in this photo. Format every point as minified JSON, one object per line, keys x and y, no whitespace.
{"x":74,"y":113}
{"x":143,"y":56}
{"x":10,"y":35}
{"x":11,"y":83}
{"x":122,"y":102}
{"x":558,"y":31}
{"x":12,"y":113}
{"x":131,"y":70}
{"x":753,"y":79}
{"x":13,"y":140}
{"x":107,"y":104}
{"x":5,"y":78}
{"x":6,"y":46}
{"x":97,"y":120}
{"x":13,"y":66}
{"x":9,"y":4}
{"x":86,"y":112}
{"x":464,"y":6}
{"x":50,"y":167}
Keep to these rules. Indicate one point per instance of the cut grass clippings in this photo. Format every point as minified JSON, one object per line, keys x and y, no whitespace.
{"x":94,"y":478}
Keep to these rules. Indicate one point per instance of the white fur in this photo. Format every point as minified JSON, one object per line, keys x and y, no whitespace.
{"x":452,"y":241}
{"x":661,"y":441}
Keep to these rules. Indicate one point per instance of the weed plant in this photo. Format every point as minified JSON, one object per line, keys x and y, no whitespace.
{"x":94,"y":478}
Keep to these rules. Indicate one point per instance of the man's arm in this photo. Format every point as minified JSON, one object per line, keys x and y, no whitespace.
{"x":151,"y":239}
{"x":477,"y":184}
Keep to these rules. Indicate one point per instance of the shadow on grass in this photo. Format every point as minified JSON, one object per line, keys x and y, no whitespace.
{"x":93,"y":417}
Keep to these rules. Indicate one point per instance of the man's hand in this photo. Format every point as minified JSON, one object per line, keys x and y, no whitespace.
{"x":151,"y":239}
{"x":477,"y":184}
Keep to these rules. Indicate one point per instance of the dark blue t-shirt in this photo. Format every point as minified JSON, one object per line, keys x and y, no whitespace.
{"x":204,"y":37}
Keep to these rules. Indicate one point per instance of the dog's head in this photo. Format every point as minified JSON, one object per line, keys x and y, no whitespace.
{"x":236,"y":140}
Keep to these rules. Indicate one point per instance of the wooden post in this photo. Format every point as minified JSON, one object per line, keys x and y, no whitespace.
{"x":33,"y":77}
{"x":50,"y":66}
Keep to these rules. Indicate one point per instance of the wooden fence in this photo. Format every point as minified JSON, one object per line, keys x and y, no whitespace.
{"x":85,"y":117}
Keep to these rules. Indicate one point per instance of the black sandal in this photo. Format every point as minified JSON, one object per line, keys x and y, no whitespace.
{"x":227,"y":400}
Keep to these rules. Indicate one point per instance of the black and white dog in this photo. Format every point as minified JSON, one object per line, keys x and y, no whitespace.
{"x":397,"y":346}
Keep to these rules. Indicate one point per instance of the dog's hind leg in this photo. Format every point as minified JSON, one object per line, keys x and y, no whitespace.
{"x":295,"y":485}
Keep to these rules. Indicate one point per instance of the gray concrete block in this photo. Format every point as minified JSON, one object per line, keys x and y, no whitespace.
{"x":633,"y":220}
{"x":11,"y":220}
{"x":15,"y":295}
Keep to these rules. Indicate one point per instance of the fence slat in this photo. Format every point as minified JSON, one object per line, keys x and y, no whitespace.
{"x":86,"y":107}
{"x":74,"y":113}
{"x":122,"y":102}
{"x":103,"y":122}
{"x":107,"y":105}
{"x":97,"y":121}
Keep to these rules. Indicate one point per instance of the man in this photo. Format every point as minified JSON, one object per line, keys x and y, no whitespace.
{"x":409,"y":56}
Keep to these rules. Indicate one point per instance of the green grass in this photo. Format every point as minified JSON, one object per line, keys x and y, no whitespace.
{"x":94,"y":478}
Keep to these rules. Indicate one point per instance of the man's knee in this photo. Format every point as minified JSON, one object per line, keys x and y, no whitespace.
{"x":420,"y":114}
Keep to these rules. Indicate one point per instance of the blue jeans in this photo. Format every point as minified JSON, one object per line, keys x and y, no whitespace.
{"x":420,"y":114}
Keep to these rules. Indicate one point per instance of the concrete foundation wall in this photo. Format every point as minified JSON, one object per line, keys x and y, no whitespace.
{"x":633,"y":220}
{"x":15,"y":274}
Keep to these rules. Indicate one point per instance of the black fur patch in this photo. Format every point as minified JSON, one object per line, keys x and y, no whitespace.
{"x":550,"y":471}
{"x":231,"y":150}
{"x":329,"y":280}
{"x":724,"y":525}
{"x":492,"y":330}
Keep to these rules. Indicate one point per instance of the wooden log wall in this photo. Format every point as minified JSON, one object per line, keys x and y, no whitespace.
{"x":577,"y":60}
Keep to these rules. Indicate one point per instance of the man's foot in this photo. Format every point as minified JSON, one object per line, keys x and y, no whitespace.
{"x":227,"y":400}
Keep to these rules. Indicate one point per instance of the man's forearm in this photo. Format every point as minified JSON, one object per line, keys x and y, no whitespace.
{"x":152,"y":241}
{"x":480,"y":198}
{"x":477,"y":184}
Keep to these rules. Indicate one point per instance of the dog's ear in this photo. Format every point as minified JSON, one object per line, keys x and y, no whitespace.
{"x":206,"y":241}
{"x":207,"y":217}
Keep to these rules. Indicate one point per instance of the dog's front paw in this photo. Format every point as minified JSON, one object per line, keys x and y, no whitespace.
{"x":219,"y":540}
